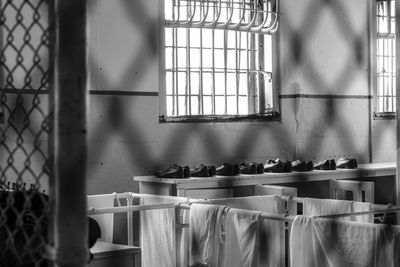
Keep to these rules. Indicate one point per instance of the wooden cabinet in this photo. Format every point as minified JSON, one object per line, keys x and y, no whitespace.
{"x":114,"y":255}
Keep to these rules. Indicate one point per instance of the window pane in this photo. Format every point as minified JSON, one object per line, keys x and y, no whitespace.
{"x":207,"y":83}
{"x":194,"y":83}
{"x":232,"y":105}
{"x":231,"y":84}
{"x":168,"y":84}
{"x":243,"y":106}
{"x":195,"y":105}
{"x":219,"y":105}
{"x":181,"y":83}
{"x":207,"y":105}
{"x":219,"y":83}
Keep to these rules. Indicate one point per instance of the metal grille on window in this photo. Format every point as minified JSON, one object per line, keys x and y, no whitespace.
{"x":386,"y":57}
{"x":24,"y":131}
{"x":218,"y":56}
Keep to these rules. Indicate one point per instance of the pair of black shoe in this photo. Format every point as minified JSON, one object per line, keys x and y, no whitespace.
{"x":227,"y":169}
{"x":346,"y":163}
{"x":327,"y":164}
{"x":302,"y":166}
{"x":203,"y":171}
{"x":174,"y":171}
{"x":277,"y":166}
{"x":251,"y":168}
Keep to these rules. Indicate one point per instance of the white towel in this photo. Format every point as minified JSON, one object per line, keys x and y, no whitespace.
{"x":388,"y":245}
{"x":106,"y":221}
{"x":272,"y":233}
{"x":318,"y":207}
{"x":241,"y":238}
{"x":361,"y":207}
{"x":206,"y":241}
{"x":157,"y":232}
{"x":316,"y":242}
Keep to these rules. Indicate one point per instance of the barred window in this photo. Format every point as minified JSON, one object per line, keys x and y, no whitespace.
{"x":386,"y":58}
{"x":218,"y":57}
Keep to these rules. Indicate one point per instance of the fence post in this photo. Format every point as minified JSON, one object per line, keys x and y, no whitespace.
{"x":70,"y":133}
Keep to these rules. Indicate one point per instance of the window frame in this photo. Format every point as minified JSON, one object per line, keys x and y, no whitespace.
{"x":377,"y":115}
{"x":274,"y":115}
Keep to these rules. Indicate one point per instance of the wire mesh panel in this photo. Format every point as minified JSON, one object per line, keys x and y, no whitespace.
{"x":24,"y":131}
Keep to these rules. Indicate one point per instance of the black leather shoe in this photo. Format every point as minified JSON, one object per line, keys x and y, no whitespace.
{"x":250,"y":168}
{"x":244,"y":168}
{"x":299,"y":166}
{"x":260,"y":168}
{"x":273,"y":166}
{"x":287,"y":166}
{"x":309,"y":165}
{"x":346,"y":163}
{"x":224,"y":170}
{"x":186,"y":172}
{"x":325,"y":165}
{"x":235,"y":169}
{"x":253,"y":168}
{"x":173,"y":171}
{"x":332,"y":164}
{"x":322,"y":165}
{"x":200,"y":171}
{"x":211,"y":170}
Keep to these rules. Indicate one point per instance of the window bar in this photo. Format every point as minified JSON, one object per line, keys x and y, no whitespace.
{"x":378,"y":51}
{"x":173,"y":72}
{"x":225,"y":69}
{"x":252,"y":75}
{"x":188,"y":89}
{"x":176,"y":72}
{"x":387,"y":72}
{"x":173,"y":67}
{"x":201,"y":106}
{"x":392,"y":70}
{"x":393,"y":76}
{"x":213,"y":72}
{"x":260,"y":66}
{"x":237,"y":54}
{"x":383,"y":73}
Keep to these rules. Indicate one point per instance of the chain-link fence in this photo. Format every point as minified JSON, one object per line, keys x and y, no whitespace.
{"x":24,"y":131}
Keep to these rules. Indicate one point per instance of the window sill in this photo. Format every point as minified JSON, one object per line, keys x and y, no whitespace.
{"x":273,"y":116}
{"x":384,"y":115}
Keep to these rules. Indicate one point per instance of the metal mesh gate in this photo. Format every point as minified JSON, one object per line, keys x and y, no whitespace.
{"x":24,"y":131}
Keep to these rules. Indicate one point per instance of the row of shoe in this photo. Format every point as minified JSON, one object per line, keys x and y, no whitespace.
{"x":227,"y":169}
{"x":176,"y":171}
{"x":342,"y":163}
{"x":274,"y":166}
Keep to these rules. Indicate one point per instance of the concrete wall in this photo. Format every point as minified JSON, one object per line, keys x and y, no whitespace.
{"x":324,"y":95}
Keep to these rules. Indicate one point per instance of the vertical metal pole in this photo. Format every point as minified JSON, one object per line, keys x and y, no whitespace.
{"x":70,"y":133}
{"x":260,"y":61}
{"x":397,"y":182}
